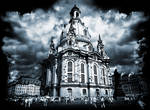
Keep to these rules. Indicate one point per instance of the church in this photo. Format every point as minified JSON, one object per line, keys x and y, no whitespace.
{"x":74,"y":68}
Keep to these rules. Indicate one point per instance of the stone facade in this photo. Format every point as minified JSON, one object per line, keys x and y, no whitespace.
{"x":74,"y":68}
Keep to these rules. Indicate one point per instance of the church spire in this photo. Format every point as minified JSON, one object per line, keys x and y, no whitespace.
{"x":99,"y":40}
{"x":100,"y":46}
{"x":52,"y":47}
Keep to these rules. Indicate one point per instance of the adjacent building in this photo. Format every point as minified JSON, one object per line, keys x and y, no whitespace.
{"x":129,"y":85}
{"x":24,"y":87}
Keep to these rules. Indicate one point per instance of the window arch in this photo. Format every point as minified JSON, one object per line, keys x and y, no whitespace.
{"x":95,"y":74}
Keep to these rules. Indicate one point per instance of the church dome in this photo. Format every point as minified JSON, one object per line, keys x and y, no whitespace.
{"x":75,"y":32}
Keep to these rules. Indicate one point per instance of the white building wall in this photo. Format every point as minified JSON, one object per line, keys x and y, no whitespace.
{"x":92,"y":92}
{"x":77,"y":91}
{"x":30,"y":89}
{"x":102,"y":92}
{"x":90,"y":73}
{"x":64,"y":70}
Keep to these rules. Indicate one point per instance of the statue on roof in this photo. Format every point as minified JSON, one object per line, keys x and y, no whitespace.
{"x":100,"y":46}
{"x":52,"y":47}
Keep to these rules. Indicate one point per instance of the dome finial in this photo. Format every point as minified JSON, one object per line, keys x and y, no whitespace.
{"x":75,"y":8}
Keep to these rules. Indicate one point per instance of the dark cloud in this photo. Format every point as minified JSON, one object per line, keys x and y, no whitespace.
{"x":33,"y":32}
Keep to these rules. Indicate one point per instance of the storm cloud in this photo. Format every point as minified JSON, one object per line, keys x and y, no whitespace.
{"x":34,"y":31}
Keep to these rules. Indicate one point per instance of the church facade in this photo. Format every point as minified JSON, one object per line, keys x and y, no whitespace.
{"x":74,"y":67}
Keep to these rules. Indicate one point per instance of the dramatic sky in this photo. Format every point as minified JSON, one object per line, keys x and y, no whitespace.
{"x":34,"y":30}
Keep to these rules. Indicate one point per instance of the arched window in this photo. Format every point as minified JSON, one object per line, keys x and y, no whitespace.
{"x":70,"y":43}
{"x":95,"y":74}
{"x":69,"y":91}
{"x":70,"y":71}
{"x":97,"y":92}
{"x":84,"y":91}
{"x":82,"y":73}
{"x":106,"y":92}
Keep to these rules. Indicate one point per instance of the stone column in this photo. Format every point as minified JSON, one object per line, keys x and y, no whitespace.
{"x":48,"y":77}
{"x":55,"y":79}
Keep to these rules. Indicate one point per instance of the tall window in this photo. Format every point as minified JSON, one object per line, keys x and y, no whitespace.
{"x":69,"y":77}
{"x":106,"y":92}
{"x":82,"y":73}
{"x":82,"y":68}
{"x":97,"y":92}
{"x":70,"y":42}
{"x":103,"y":72}
{"x":70,"y":71}
{"x":95,"y":74}
{"x":95,"y":70}
{"x":69,"y":66}
{"x":95,"y":78}
{"x":69,"y":91}
{"x":82,"y":78}
{"x":84,"y":91}
{"x":104,"y":80}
